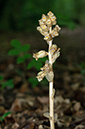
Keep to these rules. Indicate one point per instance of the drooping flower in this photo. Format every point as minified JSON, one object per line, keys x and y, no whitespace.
{"x":57,"y":28}
{"x":46,"y":72}
{"x":55,"y":31}
{"x":53,"y":48}
{"x":46,"y":67}
{"x":56,"y":55}
{"x":48,"y":22}
{"x":40,"y":75}
{"x":44,"y":17}
{"x":49,"y":76}
{"x":52,"y":17}
{"x":40,"y":54}
{"x":50,"y":14}
{"x":48,"y":37}
{"x":44,"y":27}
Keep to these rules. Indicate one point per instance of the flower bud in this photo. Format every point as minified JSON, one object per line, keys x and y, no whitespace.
{"x":43,"y":18}
{"x":48,"y":21}
{"x":41,"y":22}
{"x":44,"y":27}
{"x":53,"y":48}
{"x":54,"y":22}
{"x":48,"y":37}
{"x":53,"y":18}
{"x":42,"y":31}
{"x":39,"y":29}
{"x":40,"y":54}
{"x":40,"y":75}
{"x":46,"y":67}
{"x":54,"y":33}
{"x":55,"y":55}
{"x":50,"y":14}
{"x":49,"y":76}
{"x":57,"y":28}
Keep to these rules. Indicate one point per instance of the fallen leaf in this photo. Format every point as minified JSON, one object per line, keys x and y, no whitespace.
{"x":77,"y":106}
{"x":16,"y":106}
{"x":15,"y":126}
{"x":24,"y":87}
{"x":80,"y":127}
{"x":43,"y":100}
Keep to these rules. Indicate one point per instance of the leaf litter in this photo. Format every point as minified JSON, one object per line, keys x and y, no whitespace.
{"x":29,"y":106}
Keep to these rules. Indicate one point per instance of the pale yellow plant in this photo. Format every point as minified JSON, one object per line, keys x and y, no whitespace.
{"x":46,"y":29}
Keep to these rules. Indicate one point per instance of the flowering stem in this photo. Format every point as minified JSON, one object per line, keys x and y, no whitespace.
{"x":51,"y":94}
{"x":53,"y":53}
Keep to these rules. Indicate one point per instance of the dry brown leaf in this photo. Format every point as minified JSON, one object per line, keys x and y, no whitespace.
{"x":77,"y":106}
{"x":59,"y":99}
{"x":2,"y":100}
{"x":43,"y":100}
{"x":75,"y":86}
{"x":29,"y":126}
{"x":40,"y":127}
{"x":24,"y":87}
{"x":80,"y":127}
{"x":2,"y":110}
{"x":15,"y":126}
{"x":17,"y":79}
{"x":16,"y":106}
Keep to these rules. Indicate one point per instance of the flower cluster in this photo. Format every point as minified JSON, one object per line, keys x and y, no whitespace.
{"x":45,"y":29}
{"x":46,"y":72}
{"x":47,"y":69}
{"x":45,"y":23}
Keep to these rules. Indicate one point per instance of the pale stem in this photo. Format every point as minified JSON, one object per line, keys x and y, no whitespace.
{"x":51,"y":96}
{"x":51,"y":104}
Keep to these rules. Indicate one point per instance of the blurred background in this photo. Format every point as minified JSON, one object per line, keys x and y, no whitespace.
{"x":23,"y":15}
{"x":19,"y":19}
{"x":19,"y":38}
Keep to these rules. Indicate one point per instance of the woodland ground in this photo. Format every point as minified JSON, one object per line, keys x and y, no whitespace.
{"x":28,"y":104}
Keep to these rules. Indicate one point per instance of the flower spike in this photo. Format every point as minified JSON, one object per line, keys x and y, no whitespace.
{"x":45,"y":23}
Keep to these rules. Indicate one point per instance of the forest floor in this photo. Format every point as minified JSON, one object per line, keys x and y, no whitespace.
{"x":29,"y":105}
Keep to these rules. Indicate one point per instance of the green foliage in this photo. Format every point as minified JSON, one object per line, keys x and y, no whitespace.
{"x":33,"y":63}
{"x":33,"y":81}
{"x":65,"y":10}
{"x":18,"y":48}
{"x":15,"y":43}
{"x":20,"y":15}
{"x":8,"y":83}
{"x":82,"y":66}
{"x":4,"y":115}
{"x":21,"y":52}
{"x":1,"y":78}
